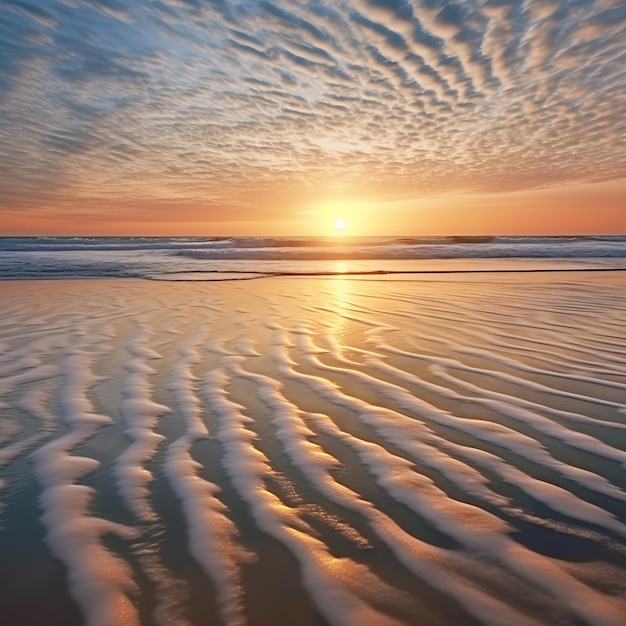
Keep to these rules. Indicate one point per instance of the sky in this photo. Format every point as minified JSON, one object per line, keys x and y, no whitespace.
{"x":197,"y":117}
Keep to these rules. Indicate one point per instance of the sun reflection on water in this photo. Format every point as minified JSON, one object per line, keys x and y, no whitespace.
{"x":339,"y":291}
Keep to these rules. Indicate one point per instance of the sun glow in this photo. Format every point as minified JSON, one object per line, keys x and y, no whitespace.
{"x":340,"y":223}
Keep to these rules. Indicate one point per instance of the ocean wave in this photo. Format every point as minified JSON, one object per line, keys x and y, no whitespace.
{"x":212,"y":258}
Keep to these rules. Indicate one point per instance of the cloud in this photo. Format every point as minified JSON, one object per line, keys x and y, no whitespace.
{"x":257,"y":104}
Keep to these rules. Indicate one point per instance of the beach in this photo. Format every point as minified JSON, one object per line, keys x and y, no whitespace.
{"x":312,"y":313}
{"x":350,"y":450}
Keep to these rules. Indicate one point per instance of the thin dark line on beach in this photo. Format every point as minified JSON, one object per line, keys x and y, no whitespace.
{"x":260,"y":274}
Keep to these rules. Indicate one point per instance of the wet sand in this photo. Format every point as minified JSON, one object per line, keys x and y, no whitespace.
{"x":432,"y":449}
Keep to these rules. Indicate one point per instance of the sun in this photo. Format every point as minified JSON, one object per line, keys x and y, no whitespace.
{"x":340,"y":223}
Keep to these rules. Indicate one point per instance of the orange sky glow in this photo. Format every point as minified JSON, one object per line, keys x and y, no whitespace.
{"x":592,"y":208}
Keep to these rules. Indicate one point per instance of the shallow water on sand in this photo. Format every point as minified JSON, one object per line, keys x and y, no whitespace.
{"x":427,"y":450}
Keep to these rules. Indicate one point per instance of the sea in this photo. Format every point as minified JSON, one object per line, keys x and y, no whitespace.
{"x":220,"y":258}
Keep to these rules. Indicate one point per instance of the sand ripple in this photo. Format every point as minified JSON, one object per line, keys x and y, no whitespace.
{"x":320,"y":450}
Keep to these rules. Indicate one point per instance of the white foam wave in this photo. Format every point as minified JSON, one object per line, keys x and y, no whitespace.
{"x":502,"y":436}
{"x":140,"y":415}
{"x":416,"y":555}
{"x":100,"y":582}
{"x":479,"y":530}
{"x":211,"y":532}
{"x":548,"y":427}
{"x":472,"y":527}
{"x":526,"y":417}
{"x":323,"y":575}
